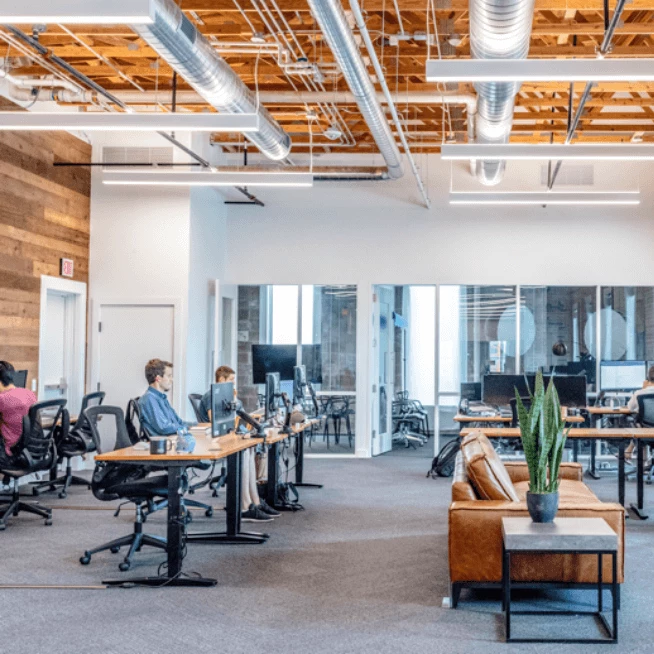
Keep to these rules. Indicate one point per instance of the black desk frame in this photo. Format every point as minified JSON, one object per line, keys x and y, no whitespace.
{"x":611,"y":630}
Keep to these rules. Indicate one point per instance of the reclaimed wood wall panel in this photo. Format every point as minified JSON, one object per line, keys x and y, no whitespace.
{"x":44,"y":216}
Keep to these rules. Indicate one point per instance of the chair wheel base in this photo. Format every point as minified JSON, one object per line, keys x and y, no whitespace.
{"x":124,"y":567}
{"x":48,"y":522}
{"x":114,"y":550}
{"x":85,"y":560}
{"x":208,"y":513}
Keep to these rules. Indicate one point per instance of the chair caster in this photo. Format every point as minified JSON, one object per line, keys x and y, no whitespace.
{"x":63,"y":495}
{"x":114,"y":550}
{"x":86,"y":559}
{"x":208,"y":513}
{"x":3,"y":527}
{"x":36,"y":492}
{"x":48,"y":522}
{"x":124,"y":566}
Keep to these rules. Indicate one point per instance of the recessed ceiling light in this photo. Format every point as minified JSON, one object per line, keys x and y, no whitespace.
{"x":455,"y":39}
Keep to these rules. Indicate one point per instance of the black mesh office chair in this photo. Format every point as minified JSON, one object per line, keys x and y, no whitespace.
{"x":195,"y":399}
{"x":143,"y":433}
{"x":77,"y":441}
{"x":645,"y":418}
{"x":113,"y":481}
{"x":37,"y":452}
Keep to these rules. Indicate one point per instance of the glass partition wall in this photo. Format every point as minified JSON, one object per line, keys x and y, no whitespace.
{"x":321,"y":320}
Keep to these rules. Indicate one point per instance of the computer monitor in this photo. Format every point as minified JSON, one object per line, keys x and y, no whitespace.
{"x":273,"y":358}
{"x":622,"y":375}
{"x":312,"y":360}
{"x":273,"y":394}
{"x":471,"y":391}
{"x":499,"y":390}
{"x":223,"y":414}
{"x":570,"y":389}
{"x":20,"y":378}
{"x":299,"y":383}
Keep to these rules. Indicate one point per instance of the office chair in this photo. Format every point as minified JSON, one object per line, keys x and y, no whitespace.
{"x":77,"y":441}
{"x":645,"y":418}
{"x":195,"y":399}
{"x":133,"y":405}
{"x":37,"y":453}
{"x":112,"y":481}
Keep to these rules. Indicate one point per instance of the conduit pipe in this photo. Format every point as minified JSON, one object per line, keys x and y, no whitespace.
{"x":499,"y":29}
{"x":334,"y":25}
{"x":191,"y":55}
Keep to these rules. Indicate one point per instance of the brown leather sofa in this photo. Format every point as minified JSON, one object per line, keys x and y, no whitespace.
{"x":484,"y":490}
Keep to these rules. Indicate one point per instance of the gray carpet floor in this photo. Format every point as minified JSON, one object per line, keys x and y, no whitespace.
{"x":362,"y":569}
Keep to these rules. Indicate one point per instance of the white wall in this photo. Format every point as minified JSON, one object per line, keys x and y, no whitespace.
{"x":206,"y":264}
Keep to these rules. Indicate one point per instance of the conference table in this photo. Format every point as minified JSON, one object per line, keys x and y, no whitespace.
{"x":621,"y":436}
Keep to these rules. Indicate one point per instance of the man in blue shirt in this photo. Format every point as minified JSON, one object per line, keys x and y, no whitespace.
{"x":157,"y":416}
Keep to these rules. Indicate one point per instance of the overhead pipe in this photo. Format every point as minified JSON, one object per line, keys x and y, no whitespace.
{"x":333,"y":22}
{"x":191,"y":55}
{"x":499,"y":29}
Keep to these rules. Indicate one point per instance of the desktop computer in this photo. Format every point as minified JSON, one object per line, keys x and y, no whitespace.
{"x":223,"y":409}
{"x":622,"y":376}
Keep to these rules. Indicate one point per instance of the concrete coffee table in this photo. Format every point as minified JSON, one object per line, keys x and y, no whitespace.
{"x":564,"y":536}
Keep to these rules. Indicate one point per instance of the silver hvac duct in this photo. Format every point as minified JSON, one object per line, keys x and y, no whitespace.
{"x":332,"y":21}
{"x":499,"y":29}
{"x":177,"y":41}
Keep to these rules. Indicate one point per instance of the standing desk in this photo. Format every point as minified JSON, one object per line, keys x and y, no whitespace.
{"x":614,"y":414}
{"x":621,"y":436}
{"x":228,"y":447}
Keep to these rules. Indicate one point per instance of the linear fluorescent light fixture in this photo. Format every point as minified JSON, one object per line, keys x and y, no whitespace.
{"x":572,"y":198}
{"x":540,"y":70}
{"x":217,"y":178}
{"x":527,"y":151}
{"x":85,"y":12}
{"x":128,"y":122}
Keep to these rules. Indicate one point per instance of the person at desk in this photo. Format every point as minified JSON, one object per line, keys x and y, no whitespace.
{"x":647,"y":389}
{"x":254,"y":508}
{"x":15,"y":403}
{"x":157,"y":416}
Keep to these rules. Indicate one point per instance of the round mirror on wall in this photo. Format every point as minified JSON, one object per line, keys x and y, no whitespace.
{"x":614,"y":335}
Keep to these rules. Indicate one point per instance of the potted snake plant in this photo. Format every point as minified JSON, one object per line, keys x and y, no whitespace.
{"x":543,"y":440}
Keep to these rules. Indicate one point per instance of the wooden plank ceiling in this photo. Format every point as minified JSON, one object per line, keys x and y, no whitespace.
{"x":616,"y":112}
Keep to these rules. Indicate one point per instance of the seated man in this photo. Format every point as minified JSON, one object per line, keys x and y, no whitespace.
{"x":157,"y":416}
{"x":647,"y":389}
{"x":15,"y":403}
{"x":254,"y":509}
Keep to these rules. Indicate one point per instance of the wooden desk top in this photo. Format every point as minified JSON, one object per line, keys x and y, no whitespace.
{"x":610,"y":411}
{"x":503,"y":419}
{"x":513,"y":432}
{"x":471,"y":417}
{"x":205,"y":449}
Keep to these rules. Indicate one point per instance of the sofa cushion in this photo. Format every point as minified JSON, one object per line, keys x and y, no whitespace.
{"x":486,"y":470}
{"x":571,"y":492}
{"x":461,"y":487}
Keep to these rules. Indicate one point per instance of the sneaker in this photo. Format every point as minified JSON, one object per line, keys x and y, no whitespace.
{"x":255,"y":514}
{"x":267,"y":509}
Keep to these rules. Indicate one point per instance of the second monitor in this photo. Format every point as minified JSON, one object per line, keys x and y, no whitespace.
{"x":499,"y":390}
{"x":273,"y":358}
{"x":223,"y":415}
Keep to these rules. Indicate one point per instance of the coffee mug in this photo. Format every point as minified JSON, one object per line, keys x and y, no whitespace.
{"x":160,"y":445}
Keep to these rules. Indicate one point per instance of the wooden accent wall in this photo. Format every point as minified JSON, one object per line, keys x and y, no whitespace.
{"x":44,"y":216}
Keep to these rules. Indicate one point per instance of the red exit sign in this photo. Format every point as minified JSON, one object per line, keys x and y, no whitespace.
{"x":66,"y":267}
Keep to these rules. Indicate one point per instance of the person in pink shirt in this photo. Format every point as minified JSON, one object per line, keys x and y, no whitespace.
{"x":14,"y":404}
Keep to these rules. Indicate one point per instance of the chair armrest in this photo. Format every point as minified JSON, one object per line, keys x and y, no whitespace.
{"x":475,"y":539}
{"x":518,"y":471}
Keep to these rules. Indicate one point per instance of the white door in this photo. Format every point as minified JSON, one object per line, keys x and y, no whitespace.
{"x":128,"y":337}
{"x":383,"y":369}
{"x":56,"y":347}
{"x":226,"y":325}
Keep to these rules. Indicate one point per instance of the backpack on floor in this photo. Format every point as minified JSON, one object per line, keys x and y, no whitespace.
{"x":443,"y":464}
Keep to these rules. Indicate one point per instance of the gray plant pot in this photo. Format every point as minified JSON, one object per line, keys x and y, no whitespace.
{"x":542,"y":506}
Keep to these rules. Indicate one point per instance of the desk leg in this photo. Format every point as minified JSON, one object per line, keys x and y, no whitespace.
{"x":299,"y":464}
{"x":639,"y":509}
{"x":175,"y":543}
{"x":233,"y":535}
{"x":575,"y":450}
{"x":273,"y":475}
{"x":621,"y":471}
{"x":592,"y":470}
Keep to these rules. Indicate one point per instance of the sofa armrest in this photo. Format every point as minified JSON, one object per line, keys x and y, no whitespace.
{"x":475,"y":544}
{"x":518,"y":471}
